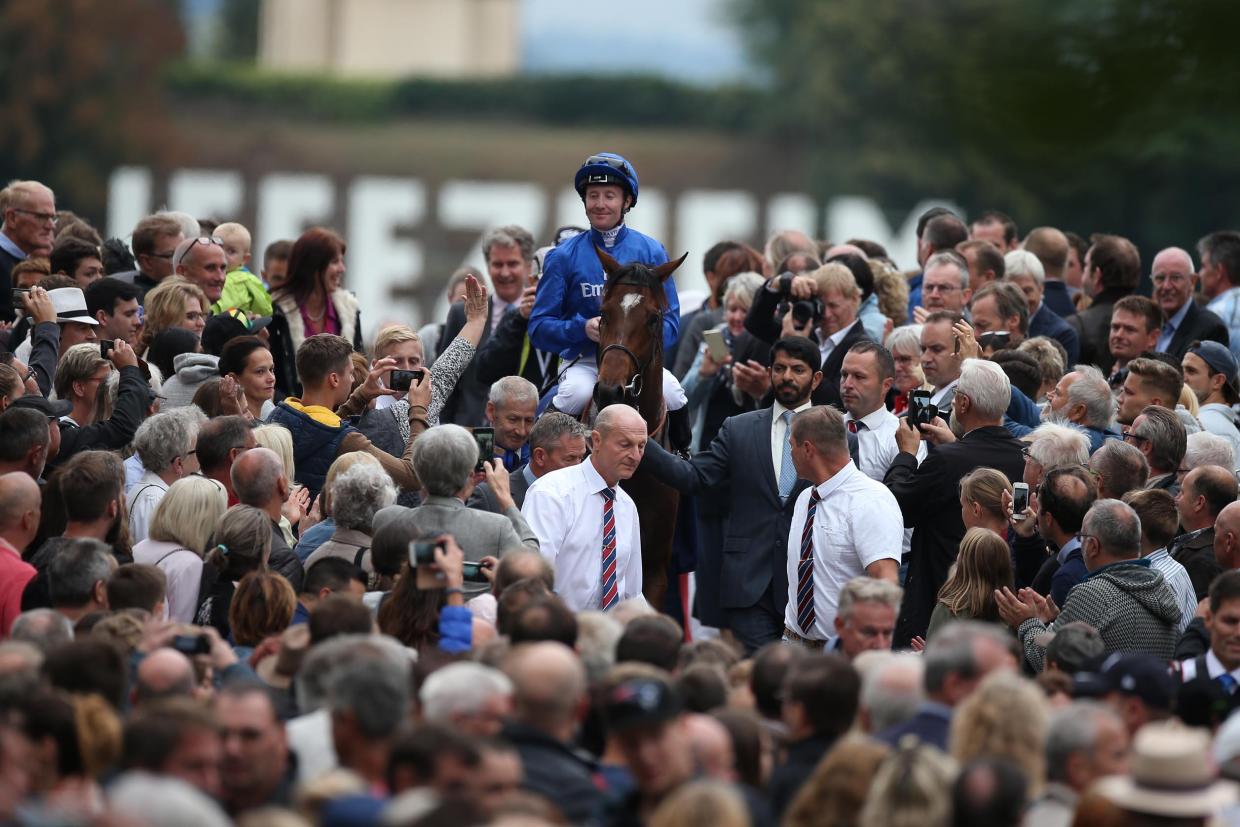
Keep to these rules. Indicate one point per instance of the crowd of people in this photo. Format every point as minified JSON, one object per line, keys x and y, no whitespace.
{"x":957,"y":545}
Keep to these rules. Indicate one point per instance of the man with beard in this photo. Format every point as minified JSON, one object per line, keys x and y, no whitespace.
{"x":751,"y":460}
{"x":1083,"y":398}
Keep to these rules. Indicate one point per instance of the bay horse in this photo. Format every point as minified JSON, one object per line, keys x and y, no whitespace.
{"x":630,"y":371}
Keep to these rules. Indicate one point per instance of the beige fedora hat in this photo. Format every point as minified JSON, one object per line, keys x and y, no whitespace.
{"x":1170,"y":773}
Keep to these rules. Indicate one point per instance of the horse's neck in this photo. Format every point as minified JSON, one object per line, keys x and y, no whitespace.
{"x":650,"y":405}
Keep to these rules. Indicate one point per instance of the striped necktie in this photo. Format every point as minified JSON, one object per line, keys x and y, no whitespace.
{"x":787,"y":470}
{"x":805,"y":570}
{"x":607,"y":581}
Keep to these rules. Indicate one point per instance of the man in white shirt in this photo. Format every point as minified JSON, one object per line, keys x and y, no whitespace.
{"x":165,"y":445}
{"x":844,"y":526}
{"x":586,"y":525}
{"x":867,"y":375}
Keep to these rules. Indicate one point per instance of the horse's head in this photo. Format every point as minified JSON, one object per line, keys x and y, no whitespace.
{"x":631,"y":330}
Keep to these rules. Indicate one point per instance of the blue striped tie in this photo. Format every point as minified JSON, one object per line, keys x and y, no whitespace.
{"x":787,"y":471}
{"x":607,"y":581}
{"x":805,"y":570}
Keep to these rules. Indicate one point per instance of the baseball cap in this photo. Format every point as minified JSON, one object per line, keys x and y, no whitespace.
{"x":227,"y":325}
{"x":1142,"y":676}
{"x":1218,"y":357}
{"x":641,"y":702}
{"x":51,"y":408}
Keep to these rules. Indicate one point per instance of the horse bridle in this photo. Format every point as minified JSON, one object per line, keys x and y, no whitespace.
{"x":634,"y":387}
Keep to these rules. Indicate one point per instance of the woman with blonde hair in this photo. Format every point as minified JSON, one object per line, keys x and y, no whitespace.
{"x":983,"y":564}
{"x":280,"y":439}
{"x":912,"y":788}
{"x":704,"y":803}
{"x":241,"y":544}
{"x":981,"y":500}
{"x":891,"y":289}
{"x":178,"y":537}
{"x":1006,"y":717}
{"x":175,"y":302}
{"x":838,"y":788}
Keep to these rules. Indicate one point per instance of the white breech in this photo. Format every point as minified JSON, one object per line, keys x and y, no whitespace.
{"x":576,"y":388}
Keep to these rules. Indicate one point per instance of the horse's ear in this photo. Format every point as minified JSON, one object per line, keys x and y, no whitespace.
{"x":610,"y":265}
{"x":665,"y":270}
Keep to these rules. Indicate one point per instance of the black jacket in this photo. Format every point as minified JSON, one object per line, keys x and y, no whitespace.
{"x":6,"y":285}
{"x":558,"y":772}
{"x":788,"y":778}
{"x":500,"y":355}
{"x":1196,"y":554}
{"x":761,"y":322}
{"x":1093,"y":327}
{"x":114,"y":433}
{"x":1199,"y":325}
{"x":467,"y":403}
{"x":929,"y":497}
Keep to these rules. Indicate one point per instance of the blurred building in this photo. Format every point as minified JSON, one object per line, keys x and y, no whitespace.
{"x":392,"y":38}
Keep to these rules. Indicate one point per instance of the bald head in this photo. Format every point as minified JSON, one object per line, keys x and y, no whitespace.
{"x":549,"y":683}
{"x":21,"y":506}
{"x":1051,"y":248}
{"x":1227,"y":537}
{"x":164,"y":673}
{"x":618,"y":416}
{"x":1173,"y":257}
{"x":1205,"y":492}
{"x":850,"y":249}
{"x":256,"y":477}
{"x":712,"y":747}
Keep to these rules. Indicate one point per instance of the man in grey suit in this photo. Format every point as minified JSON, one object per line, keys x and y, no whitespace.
{"x":444,"y":458}
{"x":556,"y":441}
{"x":750,"y":463}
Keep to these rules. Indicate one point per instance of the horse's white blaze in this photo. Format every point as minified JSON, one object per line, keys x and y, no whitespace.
{"x":630,"y":301}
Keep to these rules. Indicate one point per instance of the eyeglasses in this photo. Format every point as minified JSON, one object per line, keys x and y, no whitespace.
{"x":1084,"y":537}
{"x":614,"y":163}
{"x":1027,"y":453}
{"x":205,"y":240}
{"x":44,"y":217}
{"x":1134,"y":435}
{"x":168,"y":254}
{"x":997,"y":339}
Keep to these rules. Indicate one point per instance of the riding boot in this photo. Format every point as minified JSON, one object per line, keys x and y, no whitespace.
{"x":680,"y":430}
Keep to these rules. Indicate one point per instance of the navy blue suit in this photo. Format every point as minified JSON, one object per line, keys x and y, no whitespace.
{"x":752,"y":563}
{"x":1057,"y":297}
{"x":1046,"y":322}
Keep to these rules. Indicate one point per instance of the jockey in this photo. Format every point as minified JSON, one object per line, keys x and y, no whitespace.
{"x":565,"y":317}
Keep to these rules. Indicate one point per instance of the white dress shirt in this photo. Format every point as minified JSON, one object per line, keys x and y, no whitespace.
{"x":1188,"y":668}
{"x":565,"y":510}
{"x":142,"y":502}
{"x":937,"y":398}
{"x":857,"y":523}
{"x":833,"y":341}
{"x":876,"y":442}
{"x":779,"y":433}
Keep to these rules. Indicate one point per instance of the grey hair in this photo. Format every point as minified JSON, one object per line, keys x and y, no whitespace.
{"x":512,"y":390}
{"x":889,"y":705}
{"x":552,"y":426}
{"x":953,"y":258}
{"x":952,"y":651}
{"x":905,"y":338}
{"x":341,"y":654}
{"x":259,"y":485}
{"x":358,"y":493}
{"x":987,"y":387}
{"x":44,"y":629}
{"x":867,"y":590}
{"x":444,"y":458}
{"x":190,"y":228}
{"x":1024,"y":263}
{"x":1205,"y":448}
{"x":76,"y":569}
{"x":597,"y":636}
{"x":742,"y":287}
{"x":1116,"y":527}
{"x":28,"y":652}
{"x":1052,"y":446}
{"x":462,"y":688}
{"x":1168,"y":439}
{"x":161,"y":439}
{"x":1123,"y":467}
{"x":509,"y":236}
{"x":375,"y":693}
{"x":162,"y":801}
{"x":1074,"y":729}
{"x":1092,"y":391}
{"x":19,"y":192}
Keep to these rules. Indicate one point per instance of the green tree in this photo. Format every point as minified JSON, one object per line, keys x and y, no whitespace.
{"x":81,"y":84}
{"x":1098,"y":115}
